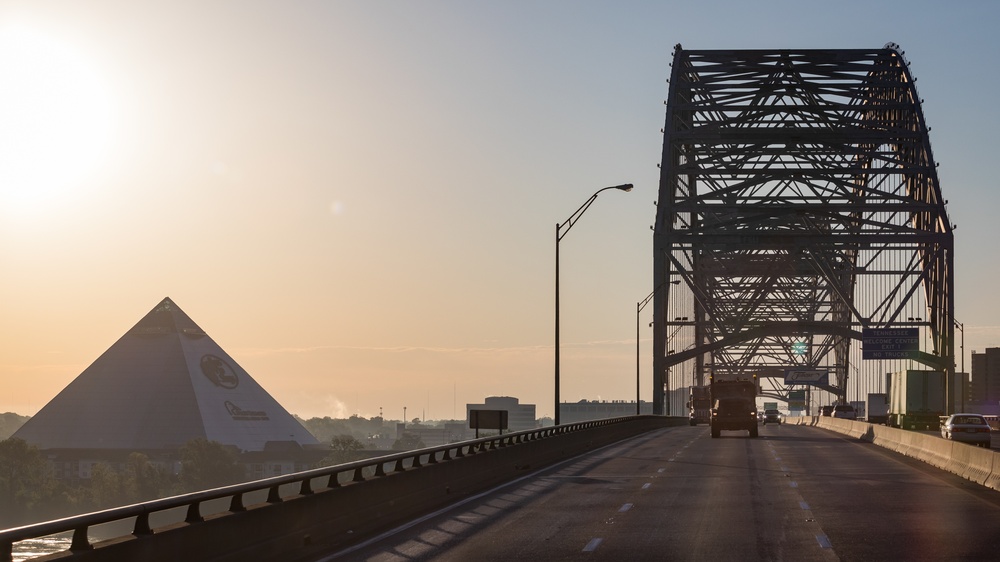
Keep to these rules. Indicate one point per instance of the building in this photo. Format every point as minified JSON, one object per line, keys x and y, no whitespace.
{"x":985,"y":384}
{"x":586,"y":410}
{"x":162,"y":384}
{"x":435,"y":436}
{"x":519,"y":416}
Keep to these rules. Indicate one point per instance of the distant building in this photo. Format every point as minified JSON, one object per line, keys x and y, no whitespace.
{"x":519,"y":416}
{"x":586,"y":410}
{"x":435,"y":436}
{"x":986,"y":376}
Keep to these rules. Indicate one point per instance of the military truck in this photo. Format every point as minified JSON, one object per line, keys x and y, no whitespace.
{"x":734,"y":405}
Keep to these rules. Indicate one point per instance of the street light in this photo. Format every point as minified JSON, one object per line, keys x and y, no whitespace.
{"x":961,"y":329}
{"x":561,"y":230}
{"x":638,"y":308}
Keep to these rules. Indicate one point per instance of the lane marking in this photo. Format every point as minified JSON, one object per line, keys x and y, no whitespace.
{"x":646,"y":486}
{"x":793,"y":484}
{"x":592,"y":545}
{"x":661,"y":470}
{"x":823,"y":541}
{"x":625,"y":508}
{"x":804,"y":506}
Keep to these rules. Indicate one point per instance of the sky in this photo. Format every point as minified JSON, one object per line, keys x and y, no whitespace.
{"x":357,"y":199}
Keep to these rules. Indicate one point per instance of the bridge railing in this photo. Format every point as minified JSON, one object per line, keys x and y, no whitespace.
{"x":279,"y":489}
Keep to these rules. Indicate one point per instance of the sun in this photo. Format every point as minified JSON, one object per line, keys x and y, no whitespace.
{"x":55,"y":119}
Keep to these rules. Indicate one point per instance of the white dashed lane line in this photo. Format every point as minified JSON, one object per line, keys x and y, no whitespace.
{"x":592,"y":545}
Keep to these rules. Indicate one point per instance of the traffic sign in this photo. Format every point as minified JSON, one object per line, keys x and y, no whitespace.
{"x":889,"y":343}
{"x":807,"y":376}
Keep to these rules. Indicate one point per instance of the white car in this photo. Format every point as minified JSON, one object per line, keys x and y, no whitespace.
{"x":967,"y":428}
{"x":845,"y":411}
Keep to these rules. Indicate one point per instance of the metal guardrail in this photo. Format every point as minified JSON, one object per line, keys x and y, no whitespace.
{"x":336,"y":476}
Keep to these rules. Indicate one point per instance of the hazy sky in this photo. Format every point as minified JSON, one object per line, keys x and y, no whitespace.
{"x":357,"y":199}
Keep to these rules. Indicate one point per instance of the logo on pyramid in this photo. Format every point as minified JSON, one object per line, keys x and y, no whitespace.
{"x":219,"y":372}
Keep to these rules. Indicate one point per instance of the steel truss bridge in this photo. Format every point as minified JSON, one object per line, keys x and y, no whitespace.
{"x":798,"y":204}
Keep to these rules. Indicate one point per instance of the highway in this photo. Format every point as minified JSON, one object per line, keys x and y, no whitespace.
{"x":795,"y":493}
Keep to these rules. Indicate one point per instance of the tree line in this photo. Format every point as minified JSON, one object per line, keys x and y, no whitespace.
{"x":30,"y":492}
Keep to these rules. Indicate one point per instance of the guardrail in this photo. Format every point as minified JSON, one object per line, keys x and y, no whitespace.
{"x":977,"y":464}
{"x":325,"y":507}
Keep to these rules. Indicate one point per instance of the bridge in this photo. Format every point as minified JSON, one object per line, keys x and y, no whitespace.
{"x":798,"y":206}
{"x":637,"y":488}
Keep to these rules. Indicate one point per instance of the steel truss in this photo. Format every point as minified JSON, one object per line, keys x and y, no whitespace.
{"x":798,"y":203}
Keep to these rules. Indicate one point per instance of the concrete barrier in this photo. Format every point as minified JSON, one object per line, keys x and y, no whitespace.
{"x":978,"y":465}
{"x":932,"y":450}
{"x":993,"y":479}
{"x":968,"y":461}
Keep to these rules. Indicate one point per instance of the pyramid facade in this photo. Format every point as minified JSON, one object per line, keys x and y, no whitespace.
{"x":160,"y":385}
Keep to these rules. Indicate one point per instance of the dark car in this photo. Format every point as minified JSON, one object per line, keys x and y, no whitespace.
{"x":773,"y":416}
{"x":967,"y":428}
{"x":826,"y":411}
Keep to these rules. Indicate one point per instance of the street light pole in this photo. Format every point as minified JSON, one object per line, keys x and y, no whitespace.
{"x":561,"y":230}
{"x":961,"y":330}
{"x":638,"y":308}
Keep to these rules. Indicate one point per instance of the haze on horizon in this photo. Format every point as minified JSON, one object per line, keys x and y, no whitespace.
{"x":356,"y":199}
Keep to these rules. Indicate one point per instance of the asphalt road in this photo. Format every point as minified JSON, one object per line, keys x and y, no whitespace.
{"x":795,"y":493}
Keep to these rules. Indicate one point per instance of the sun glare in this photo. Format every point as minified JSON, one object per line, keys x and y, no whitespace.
{"x":55,"y":119}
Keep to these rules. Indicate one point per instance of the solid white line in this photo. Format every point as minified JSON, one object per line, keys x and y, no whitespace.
{"x":592,"y":545}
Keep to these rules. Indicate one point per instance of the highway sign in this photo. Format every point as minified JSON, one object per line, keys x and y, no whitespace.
{"x":807,"y":376}
{"x":889,"y":343}
{"x":796,"y":400}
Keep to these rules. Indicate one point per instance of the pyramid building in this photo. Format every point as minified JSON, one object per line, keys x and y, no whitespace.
{"x":160,"y":385}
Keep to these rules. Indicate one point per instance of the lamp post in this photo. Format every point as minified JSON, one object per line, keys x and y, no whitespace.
{"x":961,"y":330}
{"x":667,"y":399}
{"x":638,"y":308}
{"x":561,"y":230}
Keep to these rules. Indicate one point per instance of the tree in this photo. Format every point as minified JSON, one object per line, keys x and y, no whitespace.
{"x":343,"y":448}
{"x":408,"y":442}
{"x":209,"y":464}
{"x":142,"y":479}
{"x":23,"y":478}
{"x":106,"y":489}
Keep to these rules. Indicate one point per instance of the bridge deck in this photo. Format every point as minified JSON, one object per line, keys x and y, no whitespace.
{"x":795,"y":493}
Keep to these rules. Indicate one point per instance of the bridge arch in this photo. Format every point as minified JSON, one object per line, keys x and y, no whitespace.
{"x":798,"y":204}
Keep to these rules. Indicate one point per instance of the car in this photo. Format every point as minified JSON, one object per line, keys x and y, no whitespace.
{"x":967,"y":428}
{"x":773,"y":416}
{"x":826,"y":411}
{"x":845,"y":412}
